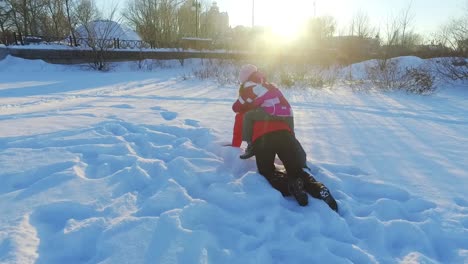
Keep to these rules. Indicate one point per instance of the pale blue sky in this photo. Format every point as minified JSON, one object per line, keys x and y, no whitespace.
{"x":428,"y":14}
{"x":287,"y":15}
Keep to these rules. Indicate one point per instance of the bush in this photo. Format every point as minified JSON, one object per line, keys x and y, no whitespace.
{"x":286,"y":79}
{"x":224,"y":72}
{"x":418,"y":80}
{"x":384,"y":74}
{"x":389,"y":75}
{"x":308,"y":77}
{"x":452,"y":68}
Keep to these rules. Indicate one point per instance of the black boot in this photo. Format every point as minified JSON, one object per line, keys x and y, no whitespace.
{"x":318,"y":190}
{"x":296,"y":188}
{"x":249,"y":152}
{"x":326,"y":196}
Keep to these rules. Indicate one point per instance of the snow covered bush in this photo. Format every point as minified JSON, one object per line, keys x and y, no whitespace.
{"x":384,"y":74}
{"x":452,"y":68}
{"x":306,"y":76}
{"x":390,"y":75}
{"x":286,"y":79}
{"x":224,"y":72}
{"x":418,"y":80}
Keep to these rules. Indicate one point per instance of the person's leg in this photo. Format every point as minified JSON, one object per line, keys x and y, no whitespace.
{"x":265,"y":156}
{"x":299,"y":181}
{"x":318,"y":190}
{"x":301,"y":152}
{"x":286,"y":151}
{"x":257,"y":114}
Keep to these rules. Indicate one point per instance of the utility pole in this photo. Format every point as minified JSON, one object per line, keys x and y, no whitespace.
{"x":253,"y":13}
{"x":315,"y":9}
{"x":196,"y":5}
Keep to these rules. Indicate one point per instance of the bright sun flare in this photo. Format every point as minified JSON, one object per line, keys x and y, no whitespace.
{"x":287,"y":31}
{"x":287,"y":20}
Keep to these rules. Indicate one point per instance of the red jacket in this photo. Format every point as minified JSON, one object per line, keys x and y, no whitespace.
{"x":261,"y":128}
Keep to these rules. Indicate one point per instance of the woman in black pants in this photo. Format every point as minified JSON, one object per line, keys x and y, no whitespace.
{"x":291,"y":153}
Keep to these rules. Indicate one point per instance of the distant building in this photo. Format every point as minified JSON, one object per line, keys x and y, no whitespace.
{"x":214,"y":24}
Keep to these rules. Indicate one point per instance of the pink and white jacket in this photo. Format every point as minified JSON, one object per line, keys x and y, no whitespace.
{"x":264,"y":95}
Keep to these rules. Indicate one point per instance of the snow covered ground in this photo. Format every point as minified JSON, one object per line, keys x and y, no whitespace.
{"x":127,"y":167}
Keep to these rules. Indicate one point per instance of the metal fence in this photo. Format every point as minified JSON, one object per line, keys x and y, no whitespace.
{"x":13,"y":38}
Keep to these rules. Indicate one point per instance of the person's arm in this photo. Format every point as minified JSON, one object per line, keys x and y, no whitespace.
{"x":267,"y":95}
{"x":244,"y":102}
{"x":241,"y":106}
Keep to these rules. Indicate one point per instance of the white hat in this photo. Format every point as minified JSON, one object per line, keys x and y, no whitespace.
{"x":246,"y":71}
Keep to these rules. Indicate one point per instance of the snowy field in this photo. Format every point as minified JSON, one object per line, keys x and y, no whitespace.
{"x":128,"y":167}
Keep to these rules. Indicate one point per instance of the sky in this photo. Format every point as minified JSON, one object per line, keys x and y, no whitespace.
{"x":428,"y":14}
{"x":130,"y":166}
{"x":286,"y":17}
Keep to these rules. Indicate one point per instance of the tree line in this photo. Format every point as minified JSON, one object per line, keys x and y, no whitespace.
{"x":154,"y":20}
{"x":167,"y":21}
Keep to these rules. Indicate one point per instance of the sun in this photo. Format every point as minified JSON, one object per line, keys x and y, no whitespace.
{"x":287,"y":31}
{"x":287,"y":21}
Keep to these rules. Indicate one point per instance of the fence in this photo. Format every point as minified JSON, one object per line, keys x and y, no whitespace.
{"x":13,"y":38}
{"x":320,"y":56}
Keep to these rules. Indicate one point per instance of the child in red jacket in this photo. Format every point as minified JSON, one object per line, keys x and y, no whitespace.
{"x":260,"y":101}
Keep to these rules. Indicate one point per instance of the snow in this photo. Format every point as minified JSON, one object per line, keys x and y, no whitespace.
{"x":127,"y":167}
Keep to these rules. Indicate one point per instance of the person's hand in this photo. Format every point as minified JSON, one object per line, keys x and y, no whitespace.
{"x":240,"y":89}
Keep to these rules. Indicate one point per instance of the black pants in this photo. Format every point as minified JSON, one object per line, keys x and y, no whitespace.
{"x":280,"y":143}
{"x":291,"y":153}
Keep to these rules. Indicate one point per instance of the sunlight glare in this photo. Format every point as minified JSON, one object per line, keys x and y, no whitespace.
{"x":285,"y":22}
{"x":288,"y":20}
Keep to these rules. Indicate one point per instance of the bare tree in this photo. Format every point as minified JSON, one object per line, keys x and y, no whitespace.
{"x":28,"y":15}
{"x":5,"y":17}
{"x":154,"y":20}
{"x":319,"y":29}
{"x":406,"y":21}
{"x":55,"y":23}
{"x":384,"y":73}
{"x":86,"y":11}
{"x":18,"y":15}
{"x":360,"y":26}
{"x":71,"y":20}
{"x":98,"y":33}
{"x":454,"y":36}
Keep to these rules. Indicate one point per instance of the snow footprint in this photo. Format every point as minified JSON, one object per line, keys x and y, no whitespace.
{"x":191,"y":122}
{"x":123,"y":106}
{"x":60,"y":238}
{"x":168,"y":115}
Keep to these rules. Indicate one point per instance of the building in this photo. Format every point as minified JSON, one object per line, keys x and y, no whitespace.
{"x":213,"y":23}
